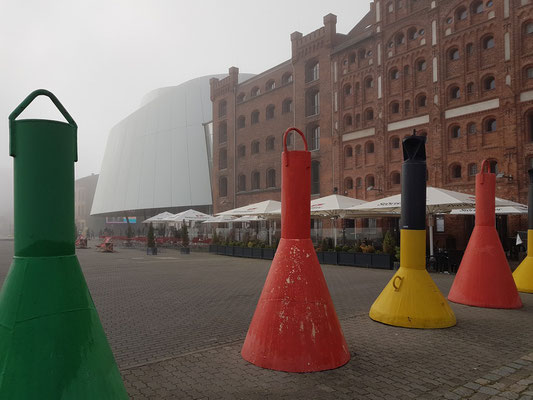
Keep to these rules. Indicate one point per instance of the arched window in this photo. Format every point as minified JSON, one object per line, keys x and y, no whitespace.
{"x":286,"y":78}
{"x":270,"y":85}
{"x":313,"y":137}
{"x":241,"y":122}
{"x":222,"y":108}
{"x":477,"y":7}
{"x":461,"y":13}
{"x":347,"y":121}
{"x":256,"y":180}
{"x":270,"y":143}
{"x":286,"y":106}
{"x":455,"y":92}
{"x":493,"y":166}
{"x":394,"y":107}
{"x":455,"y":131}
{"x":241,"y":151}
{"x":270,"y":111}
{"x":369,"y":147}
{"x":348,"y":183}
{"x":421,"y":100}
{"x":394,"y":74}
{"x":222,"y":132}
{"x":348,"y":152}
{"x":471,"y":128}
{"x":223,"y":186}
{"x":490,"y":125}
{"x":315,"y":177}
{"x":369,"y":82}
{"x":255,"y":92}
{"x":347,"y":89}
{"x":255,"y":117}
{"x":240,"y":98}
{"x":241,"y":183}
{"x":370,"y":182}
{"x":453,"y":54}
{"x":489,"y":83}
{"x":222,"y":159}
{"x":488,"y":42}
{"x":399,"y":39}
{"x":456,"y":171}
{"x":421,"y":65}
{"x":412,"y":33}
{"x":312,"y":71}
{"x":369,"y":114}
{"x":255,"y":147}
{"x":271,"y":178}
{"x":395,"y":142}
{"x":395,"y":178}
{"x":472,"y":169}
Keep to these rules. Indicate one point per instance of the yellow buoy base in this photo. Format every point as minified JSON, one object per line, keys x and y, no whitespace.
{"x":523,"y":275}
{"x":412,"y":300}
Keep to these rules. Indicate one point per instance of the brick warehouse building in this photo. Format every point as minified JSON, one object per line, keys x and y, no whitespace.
{"x":459,"y":72}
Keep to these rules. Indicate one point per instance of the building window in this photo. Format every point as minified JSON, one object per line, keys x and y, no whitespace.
{"x":241,"y":183}
{"x":490,"y":125}
{"x":489,"y":83}
{"x":455,"y":131}
{"x":421,"y":65}
{"x":488,"y":42}
{"x":369,"y":115}
{"x":456,"y":171}
{"x":470,"y":88}
{"x":455,"y":92}
{"x":362,"y":54}
{"x":395,"y":178}
{"x":313,"y":137}
{"x":241,"y":151}
{"x":347,"y":121}
{"x":222,"y":133}
{"x":461,"y":13}
{"x":241,"y":122}
{"x":369,"y":148}
{"x":315,"y":177}
{"x":222,"y":108}
{"x":348,"y":152}
{"x":286,"y":106}
{"x":469,"y":49}
{"x":529,"y":73}
{"x":223,"y":186}
{"x":394,"y":74}
{"x":255,"y":117}
{"x":400,"y":39}
{"x":271,"y":178}
{"x":422,"y":100}
{"x":255,"y":147}
{"x":256,"y":180}
{"x":395,"y":142}
{"x":348,"y":184}
{"x":472,"y":169}
{"x":477,"y":7}
{"x":240,"y":98}
{"x":312,"y":71}
{"x":290,"y":138}
{"x":454,"y":54}
{"x":370,"y":182}
{"x":529,"y":28}
{"x":270,"y":143}
{"x":270,"y":85}
{"x":529,"y":125}
{"x":412,"y":33}
{"x":347,"y":90}
{"x":270,"y":111}
{"x":286,"y":78}
{"x":255,"y":92}
{"x":395,"y":107}
{"x":493,"y":166}
{"x":222,"y":159}
{"x":471,"y":128}
{"x":369,"y":82}
{"x":312,"y":102}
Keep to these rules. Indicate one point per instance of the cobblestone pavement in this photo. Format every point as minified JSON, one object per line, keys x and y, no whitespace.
{"x":176,"y":324}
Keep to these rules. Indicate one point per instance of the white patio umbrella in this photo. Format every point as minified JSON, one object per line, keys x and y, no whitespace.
{"x":159,"y":218}
{"x":188,"y":215}
{"x":333,"y":206}
{"x":220,"y":219}
{"x":438,"y":201}
{"x":508,"y":210}
{"x":248,"y":218}
{"x":264,"y":208}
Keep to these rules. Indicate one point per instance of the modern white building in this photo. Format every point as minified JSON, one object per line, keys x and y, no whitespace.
{"x":158,"y":157}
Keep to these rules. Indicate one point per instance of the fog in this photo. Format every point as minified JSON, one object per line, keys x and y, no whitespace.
{"x":100,"y":57}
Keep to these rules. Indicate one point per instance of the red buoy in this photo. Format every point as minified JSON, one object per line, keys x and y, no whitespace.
{"x":295,"y":327}
{"x":484,"y":277}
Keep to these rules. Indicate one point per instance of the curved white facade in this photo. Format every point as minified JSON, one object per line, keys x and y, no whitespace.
{"x":157,"y":156}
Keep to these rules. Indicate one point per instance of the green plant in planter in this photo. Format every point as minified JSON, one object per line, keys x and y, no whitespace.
{"x":184,"y":236}
{"x":150,"y":237}
{"x":397,"y":253}
{"x":214,"y":240}
{"x":389,"y":244}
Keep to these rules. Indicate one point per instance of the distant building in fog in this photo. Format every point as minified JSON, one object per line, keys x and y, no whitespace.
{"x":84,"y":189}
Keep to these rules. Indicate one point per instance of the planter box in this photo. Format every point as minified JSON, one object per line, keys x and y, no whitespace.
{"x":221,"y":250}
{"x":237,"y":251}
{"x":382,"y":261}
{"x":345,"y":258}
{"x":185,"y":250}
{"x":330,"y":257}
{"x":257,"y":252}
{"x":213,"y":248}
{"x":229,"y":250}
{"x":247,"y":252}
{"x":363,"y":259}
{"x":268,"y":254}
{"x":320,"y":256}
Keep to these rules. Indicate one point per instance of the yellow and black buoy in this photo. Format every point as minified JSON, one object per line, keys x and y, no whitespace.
{"x":411,"y":299}
{"x":523,"y":275}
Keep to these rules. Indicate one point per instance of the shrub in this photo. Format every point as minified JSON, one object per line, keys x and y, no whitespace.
{"x":150,"y":238}
{"x":389,"y":244}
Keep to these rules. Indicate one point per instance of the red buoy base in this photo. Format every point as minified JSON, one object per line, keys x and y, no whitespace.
{"x":295,"y":327}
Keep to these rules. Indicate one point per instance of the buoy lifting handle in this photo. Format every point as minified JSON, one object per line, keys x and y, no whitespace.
{"x":484,"y":164}
{"x":287,"y":134}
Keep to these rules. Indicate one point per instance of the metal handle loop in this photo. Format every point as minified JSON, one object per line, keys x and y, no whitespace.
{"x":287,"y":134}
{"x":396,"y":288}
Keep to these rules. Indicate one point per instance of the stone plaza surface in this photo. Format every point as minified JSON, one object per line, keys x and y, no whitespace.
{"x":176,"y":324}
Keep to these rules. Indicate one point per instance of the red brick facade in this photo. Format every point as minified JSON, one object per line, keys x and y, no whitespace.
{"x":459,"y":72}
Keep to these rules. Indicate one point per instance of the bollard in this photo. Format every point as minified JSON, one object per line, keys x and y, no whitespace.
{"x":52,"y":345}
{"x":411,"y":299}
{"x":484,"y":277}
{"x":295,"y":327}
{"x":523,"y":275}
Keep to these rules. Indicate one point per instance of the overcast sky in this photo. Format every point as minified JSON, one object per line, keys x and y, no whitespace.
{"x":100,"y":57}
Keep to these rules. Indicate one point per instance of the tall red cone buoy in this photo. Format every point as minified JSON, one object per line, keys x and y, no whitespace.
{"x":484,"y":278}
{"x":295,"y":327}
